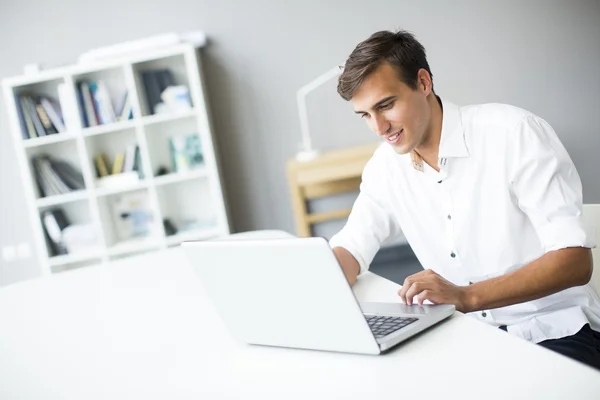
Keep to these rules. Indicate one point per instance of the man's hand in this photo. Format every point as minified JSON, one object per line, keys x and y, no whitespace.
{"x":428,"y":285}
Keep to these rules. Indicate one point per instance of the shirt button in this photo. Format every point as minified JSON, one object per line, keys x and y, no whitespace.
{"x":484,"y":314}
{"x":449,"y":216}
{"x":452,"y":255}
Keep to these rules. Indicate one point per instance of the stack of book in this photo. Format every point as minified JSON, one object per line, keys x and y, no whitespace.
{"x":155,"y":82}
{"x":39,"y":116}
{"x":124,"y":162}
{"x":55,"y":176}
{"x":96,"y":107}
{"x":64,"y":237}
{"x":54,"y":222}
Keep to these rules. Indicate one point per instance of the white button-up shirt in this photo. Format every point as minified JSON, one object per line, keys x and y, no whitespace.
{"x":507,"y":192}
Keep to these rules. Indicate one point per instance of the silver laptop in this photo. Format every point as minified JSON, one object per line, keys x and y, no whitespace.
{"x":293,"y":293}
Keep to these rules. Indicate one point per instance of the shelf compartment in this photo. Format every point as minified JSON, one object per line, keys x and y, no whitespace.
{"x":188,"y":205}
{"x":46,"y":182}
{"x":40,"y":109}
{"x":128,"y":219}
{"x":174,"y":146}
{"x":150,"y":82}
{"x":101,"y":96}
{"x":76,"y":213}
{"x":110,"y":146}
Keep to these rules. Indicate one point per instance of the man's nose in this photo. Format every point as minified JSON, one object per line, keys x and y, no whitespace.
{"x":380,"y":125}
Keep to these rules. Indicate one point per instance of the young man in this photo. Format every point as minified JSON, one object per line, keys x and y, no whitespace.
{"x":486,"y":196}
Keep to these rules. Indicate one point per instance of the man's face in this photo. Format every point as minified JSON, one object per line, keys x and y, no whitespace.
{"x":394,"y":111}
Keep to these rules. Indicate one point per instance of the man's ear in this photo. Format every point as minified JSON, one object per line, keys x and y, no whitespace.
{"x":424,"y":82}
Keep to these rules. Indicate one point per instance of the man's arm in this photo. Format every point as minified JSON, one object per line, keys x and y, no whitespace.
{"x":370,"y":223}
{"x":348,"y":263}
{"x":553,"y":272}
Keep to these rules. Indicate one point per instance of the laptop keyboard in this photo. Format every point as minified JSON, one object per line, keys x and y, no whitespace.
{"x":382,"y":325}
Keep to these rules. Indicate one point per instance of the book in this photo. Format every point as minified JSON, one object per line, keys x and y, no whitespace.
{"x":165,"y":79}
{"x":68,"y":174}
{"x":102,"y":102}
{"x":28,"y":121}
{"x":152,"y":89}
{"x":67,"y":108}
{"x":118,"y":164}
{"x":125,"y":110}
{"x":129,"y":158}
{"x":44,"y":186}
{"x":57,"y":184}
{"x":106,"y":102}
{"x":54,"y":176}
{"x":88,"y":105}
{"x":52,"y":109}
{"x":137,"y":163}
{"x":22,"y":123}
{"x":55,"y":221}
{"x":95,"y":102}
{"x":81,"y":102}
{"x":101,"y":165}
{"x":45,"y":120}
{"x":39,"y":128}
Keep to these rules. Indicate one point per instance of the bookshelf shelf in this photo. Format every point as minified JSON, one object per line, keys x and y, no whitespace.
{"x":113,"y":122}
{"x":41,"y":141}
{"x":181,"y":176}
{"x":155,"y":119}
{"x":62,"y":199}
{"x":133,"y":246}
{"x":130,"y":188}
{"x":109,"y":128}
{"x":196,"y":234}
{"x":74,"y":258}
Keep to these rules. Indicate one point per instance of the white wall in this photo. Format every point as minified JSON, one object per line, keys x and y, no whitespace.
{"x":540,"y":55}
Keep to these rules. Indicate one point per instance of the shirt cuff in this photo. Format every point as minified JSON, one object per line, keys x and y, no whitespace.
{"x":338,"y":241}
{"x":563,"y":233}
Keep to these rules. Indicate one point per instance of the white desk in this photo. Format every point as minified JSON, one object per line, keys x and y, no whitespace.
{"x":143,"y":329}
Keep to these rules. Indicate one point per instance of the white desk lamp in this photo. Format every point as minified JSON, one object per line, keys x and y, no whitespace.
{"x":307,"y":153}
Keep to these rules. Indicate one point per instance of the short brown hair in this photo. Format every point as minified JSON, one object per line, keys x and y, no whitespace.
{"x":400,"y":49}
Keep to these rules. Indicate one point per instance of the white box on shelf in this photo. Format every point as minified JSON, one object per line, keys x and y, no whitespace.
{"x":118,"y":181}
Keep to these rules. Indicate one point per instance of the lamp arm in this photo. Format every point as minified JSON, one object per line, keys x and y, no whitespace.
{"x":302,"y":110}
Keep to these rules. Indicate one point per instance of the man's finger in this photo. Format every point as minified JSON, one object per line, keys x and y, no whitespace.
{"x":414,"y":290}
{"x":425,"y":275}
{"x":424,"y":295}
{"x":405,"y":286}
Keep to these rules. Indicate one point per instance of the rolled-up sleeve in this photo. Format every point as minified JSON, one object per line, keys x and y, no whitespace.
{"x":370,"y":222}
{"x":547,"y":186}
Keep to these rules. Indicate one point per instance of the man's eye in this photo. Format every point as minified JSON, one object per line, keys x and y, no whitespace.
{"x":387,"y":106}
{"x":364,"y":115}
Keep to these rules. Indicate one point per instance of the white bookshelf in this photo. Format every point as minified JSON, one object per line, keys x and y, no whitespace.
{"x":193,"y":200}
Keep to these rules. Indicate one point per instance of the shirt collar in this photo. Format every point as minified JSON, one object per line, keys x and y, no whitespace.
{"x":452,"y":141}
